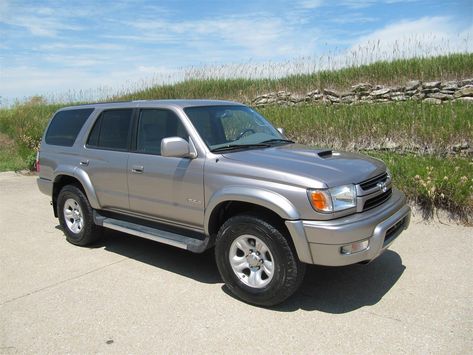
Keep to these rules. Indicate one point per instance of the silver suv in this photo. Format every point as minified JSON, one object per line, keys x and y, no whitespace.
{"x":198,"y":174}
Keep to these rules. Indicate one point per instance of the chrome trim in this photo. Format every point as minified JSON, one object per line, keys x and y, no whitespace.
{"x":143,"y":234}
{"x":364,"y":195}
{"x":155,"y":219}
{"x":360,"y":201}
{"x":360,"y":192}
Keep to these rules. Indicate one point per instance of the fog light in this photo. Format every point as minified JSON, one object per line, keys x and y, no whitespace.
{"x":355,"y":247}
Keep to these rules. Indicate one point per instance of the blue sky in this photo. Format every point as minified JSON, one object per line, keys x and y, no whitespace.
{"x":61,"y":48}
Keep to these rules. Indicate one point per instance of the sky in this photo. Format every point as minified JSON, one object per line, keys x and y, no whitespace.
{"x":86,"y":49}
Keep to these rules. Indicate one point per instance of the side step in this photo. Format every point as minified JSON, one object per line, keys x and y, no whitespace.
{"x":177,"y":240}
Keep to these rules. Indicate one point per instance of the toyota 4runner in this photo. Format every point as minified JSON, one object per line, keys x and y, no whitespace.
{"x":198,"y":174}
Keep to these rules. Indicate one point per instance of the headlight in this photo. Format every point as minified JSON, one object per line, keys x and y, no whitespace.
{"x":332,"y":200}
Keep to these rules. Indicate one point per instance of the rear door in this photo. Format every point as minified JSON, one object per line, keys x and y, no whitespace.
{"x":106,"y":156}
{"x":166,"y":188}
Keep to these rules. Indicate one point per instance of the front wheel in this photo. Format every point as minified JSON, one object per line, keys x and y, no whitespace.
{"x":256,"y":261}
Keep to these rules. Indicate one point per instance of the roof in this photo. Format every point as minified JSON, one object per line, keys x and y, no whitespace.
{"x":154,"y":103}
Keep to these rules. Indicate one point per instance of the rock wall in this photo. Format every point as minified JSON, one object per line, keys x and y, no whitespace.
{"x":434,"y":92}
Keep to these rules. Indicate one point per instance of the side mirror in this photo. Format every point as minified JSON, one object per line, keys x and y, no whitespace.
{"x":281,"y":130}
{"x":175,"y":147}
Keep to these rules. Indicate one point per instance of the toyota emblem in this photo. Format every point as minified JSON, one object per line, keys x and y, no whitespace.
{"x":382,"y":186}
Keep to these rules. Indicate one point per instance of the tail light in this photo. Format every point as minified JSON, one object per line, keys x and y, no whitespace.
{"x":37,"y":165}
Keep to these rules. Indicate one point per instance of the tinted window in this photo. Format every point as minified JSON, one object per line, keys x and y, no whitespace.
{"x":94,"y":135}
{"x":111,"y":130}
{"x":65,"y":126}
{"x":153,"y":126}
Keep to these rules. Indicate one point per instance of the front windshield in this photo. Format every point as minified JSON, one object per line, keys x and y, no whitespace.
{"x":231,"y":126}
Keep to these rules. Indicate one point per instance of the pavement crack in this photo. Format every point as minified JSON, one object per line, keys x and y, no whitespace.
{"x":62,"y":282}
{"x":383,"y":316}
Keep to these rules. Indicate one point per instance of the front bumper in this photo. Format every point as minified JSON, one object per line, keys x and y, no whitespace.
{"x":325,"y":239}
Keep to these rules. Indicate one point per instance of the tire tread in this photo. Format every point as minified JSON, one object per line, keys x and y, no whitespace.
{"x":91,"y":232}
{"x":294,"y":269}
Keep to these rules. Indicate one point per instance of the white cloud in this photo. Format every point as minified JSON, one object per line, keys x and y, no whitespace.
{"x":354,"y":18}
{"x":256,"y":36}
{"x":77,"y":84}
{"x":357,"y":4}
{"x":311,"y":4}
{"x":360,"y":4}
{"x":41,"y":27}
{"x":40,"y":21}
{"x":74,"y":60}
{"x":68,"y":46}
{"x":427,"y":36}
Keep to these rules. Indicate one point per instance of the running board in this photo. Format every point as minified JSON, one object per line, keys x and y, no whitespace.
{"x":177,"y":240}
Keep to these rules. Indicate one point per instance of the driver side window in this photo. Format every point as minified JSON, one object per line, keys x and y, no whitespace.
{"x":153,"y":126}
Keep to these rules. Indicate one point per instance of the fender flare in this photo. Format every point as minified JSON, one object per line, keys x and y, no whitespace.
{"x":265,"y":198}
{"x":270,"y":200}
{"x":83,"y":178}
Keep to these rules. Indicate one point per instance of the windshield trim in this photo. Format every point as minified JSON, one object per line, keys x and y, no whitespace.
{"x":236,"y":147}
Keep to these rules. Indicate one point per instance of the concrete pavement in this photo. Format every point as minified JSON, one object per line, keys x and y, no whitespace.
{"x":130,"y":295}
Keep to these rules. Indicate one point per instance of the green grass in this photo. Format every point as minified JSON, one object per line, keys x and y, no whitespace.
{"x":425,"y":127}
{"x":25,"y":125}
{"x":10,"y":157}
{"x":11,"y":160}
{"x":433,"y":182}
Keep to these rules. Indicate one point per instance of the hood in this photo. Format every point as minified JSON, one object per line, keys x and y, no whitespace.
{"x":330,"y":168}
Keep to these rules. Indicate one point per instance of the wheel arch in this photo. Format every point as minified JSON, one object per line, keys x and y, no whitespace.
{"x":260,"y":198}
{"x":78,"y":178}
{"x":234,"y":200}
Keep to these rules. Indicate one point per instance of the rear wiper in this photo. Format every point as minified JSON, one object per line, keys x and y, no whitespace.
{"x":239,"y":146}
{"x":278,"y":140}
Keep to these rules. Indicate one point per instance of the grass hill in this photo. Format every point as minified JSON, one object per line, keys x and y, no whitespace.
{"x":430,"y":176}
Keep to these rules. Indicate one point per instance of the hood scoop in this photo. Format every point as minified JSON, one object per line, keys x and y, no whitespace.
{"x":325,"y":154}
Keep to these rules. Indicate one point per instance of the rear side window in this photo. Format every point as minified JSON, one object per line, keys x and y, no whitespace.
{"x":65,"y":126}
{"x":111,"y":130}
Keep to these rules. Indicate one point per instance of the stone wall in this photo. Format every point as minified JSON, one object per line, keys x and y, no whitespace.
{"x":434,"y":92}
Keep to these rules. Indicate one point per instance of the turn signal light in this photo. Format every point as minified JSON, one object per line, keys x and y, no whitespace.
{"x":320,"y":200}
{"x":355,"y":247}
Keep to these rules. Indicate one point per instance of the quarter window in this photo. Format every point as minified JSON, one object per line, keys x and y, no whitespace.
{"x":111,"y":130}
{"x":153,"y":126}
{"x":65,"y":126}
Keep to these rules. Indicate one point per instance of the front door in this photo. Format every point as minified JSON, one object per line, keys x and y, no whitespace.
{"x":166,"y":188}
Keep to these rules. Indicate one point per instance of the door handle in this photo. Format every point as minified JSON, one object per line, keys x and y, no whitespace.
{"x":138,"y":169}
{"x":84,"y":162}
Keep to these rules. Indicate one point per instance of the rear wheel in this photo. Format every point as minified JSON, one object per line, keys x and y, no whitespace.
{"x":256,"y":261}
{"x":76,"y":216}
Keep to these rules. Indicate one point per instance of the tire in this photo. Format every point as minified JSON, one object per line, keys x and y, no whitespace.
{"x":76,"y":216}
{"x":256,"y":261}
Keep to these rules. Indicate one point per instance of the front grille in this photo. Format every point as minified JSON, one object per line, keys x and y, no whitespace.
{"x":394,"y":231}
{"x":377,"y":200}
{"x":370,"y":183}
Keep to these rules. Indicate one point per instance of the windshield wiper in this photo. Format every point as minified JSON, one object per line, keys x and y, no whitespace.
{"x":239,"y":146}
{"x":278,"y":140}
